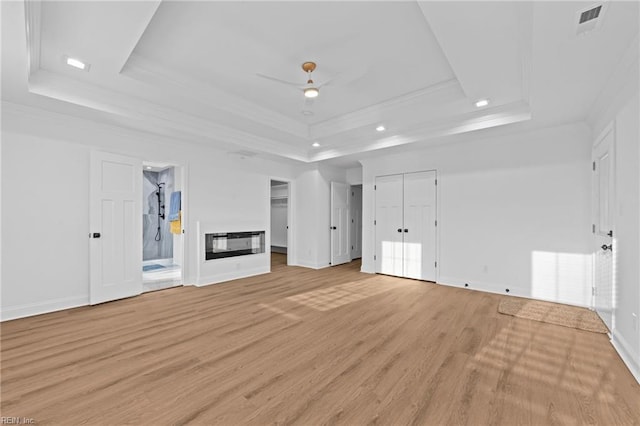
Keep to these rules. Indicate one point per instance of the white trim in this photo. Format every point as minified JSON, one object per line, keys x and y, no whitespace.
{"x":38,"y":308}
{"x":630,"y":359}
{"x":33,"y":27}
{"x":308,"y":264}
{"x":291,"y":240}
{"x":229,"y":276}
{"x":514,"y":291}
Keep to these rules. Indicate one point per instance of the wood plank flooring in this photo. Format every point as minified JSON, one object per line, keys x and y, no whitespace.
{"x":307,"y":347}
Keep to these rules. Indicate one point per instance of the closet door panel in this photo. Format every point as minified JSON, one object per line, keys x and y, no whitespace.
{"x":419,"y":230}
{"x":388,"y":252}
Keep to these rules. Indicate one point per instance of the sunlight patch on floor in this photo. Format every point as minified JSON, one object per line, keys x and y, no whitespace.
{"x":328,"y":298}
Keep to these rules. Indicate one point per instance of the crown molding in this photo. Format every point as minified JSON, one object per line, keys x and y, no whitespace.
{"x":147,"y":72}
{"x":33,"y":27}
{"x":525,"y":45}
{"x":374,"y":113}
{"x":497,"y":116}
{"x":149,"y":115}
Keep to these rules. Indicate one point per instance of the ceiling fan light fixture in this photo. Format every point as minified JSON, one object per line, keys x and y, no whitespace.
{"x":311,"y":92}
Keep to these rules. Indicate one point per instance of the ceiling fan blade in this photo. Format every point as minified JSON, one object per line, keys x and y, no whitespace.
{"x":277,"y":80}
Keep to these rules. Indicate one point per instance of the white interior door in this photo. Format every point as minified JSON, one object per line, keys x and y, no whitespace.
{"x":420,"y":226}
{"x":603,"y":208}
{"x":115,"y":227}
{"x":355,"y":211}
{"x":340,"y":250}
{"x":389,"y":225}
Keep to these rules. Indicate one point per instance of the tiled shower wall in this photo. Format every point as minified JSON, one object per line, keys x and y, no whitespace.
{"x":152,"y":249}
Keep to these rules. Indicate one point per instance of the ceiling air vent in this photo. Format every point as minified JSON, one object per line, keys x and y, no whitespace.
{"x":590,"y":14}
{"x":589,"y":19}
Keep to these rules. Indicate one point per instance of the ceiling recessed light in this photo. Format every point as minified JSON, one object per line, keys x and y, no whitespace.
{"x":482,"y":103}
{"x":76,"y":63}
{"x":315,"y":144}
{"x":380,"y":129}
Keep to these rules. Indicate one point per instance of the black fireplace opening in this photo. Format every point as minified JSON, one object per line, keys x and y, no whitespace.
{"x":231,"y":244}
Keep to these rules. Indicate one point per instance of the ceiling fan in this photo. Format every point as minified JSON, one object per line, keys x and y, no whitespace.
{"x":310,"y":89}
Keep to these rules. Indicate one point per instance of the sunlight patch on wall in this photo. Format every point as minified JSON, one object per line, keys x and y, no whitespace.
{"x":562,"y":277}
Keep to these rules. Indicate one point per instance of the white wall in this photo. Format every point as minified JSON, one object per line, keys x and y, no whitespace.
{"x":45,"y":173}
{"x":513,"y":212}
{"x":618,"y":105}
{"x":312,"y":204}
{"x":627,"y":233}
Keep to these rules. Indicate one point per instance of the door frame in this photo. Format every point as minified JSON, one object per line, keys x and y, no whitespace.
{"x":438,"y":211}
{"x":182,"y":169}
{"x":291,"y":259}
{"x":608,"y":130}
{"x":332,"y":189}
{"x":352,"y":226}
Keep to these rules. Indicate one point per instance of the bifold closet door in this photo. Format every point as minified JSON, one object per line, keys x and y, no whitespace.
{"x":419,"y":229}
{"x":388,"y":225}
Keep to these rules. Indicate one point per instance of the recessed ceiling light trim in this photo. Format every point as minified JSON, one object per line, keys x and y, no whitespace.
{"x":315,"y":144}
{"x":380,"y":128}
{"x":76,"y":63}
{"x":482,"y":103}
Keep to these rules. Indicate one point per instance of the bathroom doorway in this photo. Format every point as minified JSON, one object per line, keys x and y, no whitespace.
{"x":279,"y":223}
{"x":161,"y":226}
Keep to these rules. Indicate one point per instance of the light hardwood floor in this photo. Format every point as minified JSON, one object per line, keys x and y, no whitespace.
{"x":307,"y":347}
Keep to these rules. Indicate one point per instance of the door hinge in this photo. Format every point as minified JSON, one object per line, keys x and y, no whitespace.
{"x":594,"y":166}
{"x":436,"y":182}
{"x":436,"y":223}
{"x":353,"y":194}
{"x":593,"y":291}
{"x":436,"y":263}
{"x":593,"y":228}
{"x":374,"y":222}
{"x":351,"y":247}
{"x":375,"y":187}
{"x":374,"y":257}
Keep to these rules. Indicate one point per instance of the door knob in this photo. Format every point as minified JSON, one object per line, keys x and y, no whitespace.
{"x":96,"y":235}
{"x":332,"y":228}
{"x":610,"y":233}
{"x":406,"y":230}
{"x":399,"y":229}
{"x":606,"y":247}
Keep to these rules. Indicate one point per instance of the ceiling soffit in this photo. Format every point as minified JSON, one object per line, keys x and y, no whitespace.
{"x":160,"y":97}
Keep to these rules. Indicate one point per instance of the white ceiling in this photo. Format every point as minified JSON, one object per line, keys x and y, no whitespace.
{"x":189,"y":69}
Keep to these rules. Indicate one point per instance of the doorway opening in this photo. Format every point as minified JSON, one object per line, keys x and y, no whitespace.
{"x":355,"y":221}
{"x":161,"y":227}
{"x":279,"y":223}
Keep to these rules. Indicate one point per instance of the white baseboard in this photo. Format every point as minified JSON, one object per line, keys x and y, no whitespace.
{"x":229,"y":276}
{"x":308,"y":264}
{"x":501,"y":289}
{"x":629,"y":357}
{"x":31,"y":309}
